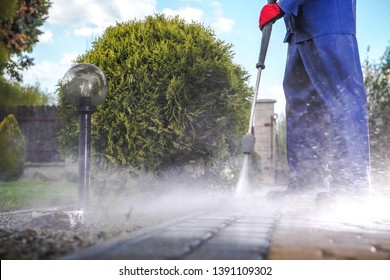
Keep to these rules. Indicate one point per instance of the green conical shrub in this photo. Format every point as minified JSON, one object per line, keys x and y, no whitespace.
{"x":12,"y":149}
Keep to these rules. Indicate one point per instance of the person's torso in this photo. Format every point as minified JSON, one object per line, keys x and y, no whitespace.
{"x":321,"y":17}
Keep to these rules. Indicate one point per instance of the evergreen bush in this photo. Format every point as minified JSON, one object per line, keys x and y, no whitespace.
{"x":175,"y":96}
{"x":13,"y":94}
{"x":12,"y":149}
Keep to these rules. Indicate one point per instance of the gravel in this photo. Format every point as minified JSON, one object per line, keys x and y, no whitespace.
{"x":53,"y":233}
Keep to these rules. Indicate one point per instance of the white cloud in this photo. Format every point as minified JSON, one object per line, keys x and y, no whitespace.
{"x":68,"y":58}
{"x":218,"y":8}
{"x":130,"y":9}
{"x":188,"y":14}
{"x":221,"y":24}
{"x":48,"y":73}
{"x":46,"y":37}
{"x":89,"y":31}
{"x":91,"y":17}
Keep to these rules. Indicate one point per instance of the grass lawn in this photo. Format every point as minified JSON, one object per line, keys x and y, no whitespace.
{"x":27,"y":194}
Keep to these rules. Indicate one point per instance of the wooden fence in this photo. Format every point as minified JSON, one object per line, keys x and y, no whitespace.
{"x":39,"y":126}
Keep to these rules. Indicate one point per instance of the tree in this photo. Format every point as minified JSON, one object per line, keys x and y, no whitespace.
{"x":13,"y":94}
{"x":377,"y":82}
{"x":12,"y":149}
{"x":175,"y":96}
{"x":19,"y":30}
{"x":7,"y":9}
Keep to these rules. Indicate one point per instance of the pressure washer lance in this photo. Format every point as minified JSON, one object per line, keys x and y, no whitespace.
{"x":248,"y":140}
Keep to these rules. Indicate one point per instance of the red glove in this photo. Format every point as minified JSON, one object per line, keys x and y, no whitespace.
{"x":269,"y":13}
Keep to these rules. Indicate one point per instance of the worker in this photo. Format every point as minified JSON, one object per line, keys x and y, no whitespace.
{"x":326,"y":103}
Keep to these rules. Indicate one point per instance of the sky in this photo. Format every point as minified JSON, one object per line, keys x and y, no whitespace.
{"x":73,"y":25}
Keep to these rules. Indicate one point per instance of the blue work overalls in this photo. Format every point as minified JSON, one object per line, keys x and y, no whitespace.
{"x":326,"y":104}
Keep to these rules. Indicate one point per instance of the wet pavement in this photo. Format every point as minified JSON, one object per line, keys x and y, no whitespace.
{"x":342,"y":232}
{"x":294,"y":230}
{"x":214,"y":235}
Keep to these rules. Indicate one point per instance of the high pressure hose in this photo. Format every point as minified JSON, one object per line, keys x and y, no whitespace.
{"x":248,"y":140}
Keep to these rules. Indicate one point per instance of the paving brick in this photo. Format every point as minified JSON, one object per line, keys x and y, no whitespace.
{"x":306,"y":232}
{"x":318,"y":234}
{"x":221,"y":235}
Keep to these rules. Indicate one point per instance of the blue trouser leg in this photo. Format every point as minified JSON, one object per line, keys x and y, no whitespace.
{"x":326,"y":110}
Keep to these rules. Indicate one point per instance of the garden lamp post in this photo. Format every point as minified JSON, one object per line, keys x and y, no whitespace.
{"x":84,"y":86}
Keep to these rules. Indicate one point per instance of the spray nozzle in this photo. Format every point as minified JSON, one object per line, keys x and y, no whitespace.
{"x":248,"y":143}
